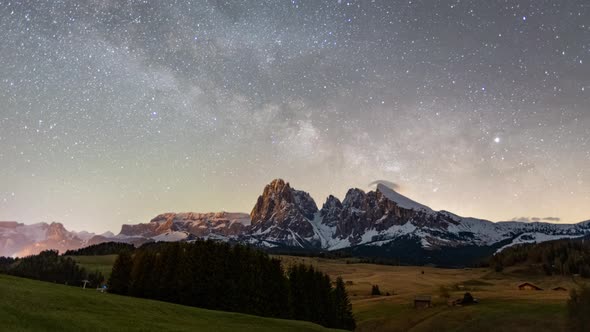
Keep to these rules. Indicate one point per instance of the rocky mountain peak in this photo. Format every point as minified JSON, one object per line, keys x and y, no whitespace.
{"x":56,"y":232}
{"x":279,"y":196}
{"x":279,"y":188}
{"x":330,"y":211}
{"x":332,"y":203}
{"x":281,"y":211}
{"x":305,"y":203}
{"x":354,"y":198}
{"x":278,"y":184}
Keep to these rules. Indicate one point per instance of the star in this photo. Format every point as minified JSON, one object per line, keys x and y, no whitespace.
{"x":203,"y":95}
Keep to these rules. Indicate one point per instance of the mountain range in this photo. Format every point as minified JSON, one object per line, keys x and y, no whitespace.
{"x":380,"y":223}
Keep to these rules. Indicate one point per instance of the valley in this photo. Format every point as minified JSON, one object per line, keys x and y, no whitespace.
{"x":502,"y":306}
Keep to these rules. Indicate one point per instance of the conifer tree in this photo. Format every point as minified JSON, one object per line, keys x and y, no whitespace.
{"x":121,"y":274}
{"x":343,"y":309}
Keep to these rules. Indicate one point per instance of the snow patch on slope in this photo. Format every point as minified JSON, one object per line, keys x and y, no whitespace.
{"x":536,"y":238}
{"x":401,"y":200}
{"x":323,"y":231}
{"x":170,"y":237}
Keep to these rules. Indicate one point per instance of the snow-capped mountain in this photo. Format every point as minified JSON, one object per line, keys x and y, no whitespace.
{"x":286,"y":217}
{"x":376,"y":223}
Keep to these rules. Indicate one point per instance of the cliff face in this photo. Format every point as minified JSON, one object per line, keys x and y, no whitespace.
{"x":362,"y":212}
{"x":200,"y":225}
{"x":282,"y":215}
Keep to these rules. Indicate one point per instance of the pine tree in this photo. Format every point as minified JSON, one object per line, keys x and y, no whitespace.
{"x":121,"y":274}
{"x":342,"y":308}
{"x":215,"y":275}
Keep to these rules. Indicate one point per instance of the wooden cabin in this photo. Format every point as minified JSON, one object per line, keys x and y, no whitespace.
{"x":528,"y":286}
{"x":560,"y":289}
{"x":423,"y":301}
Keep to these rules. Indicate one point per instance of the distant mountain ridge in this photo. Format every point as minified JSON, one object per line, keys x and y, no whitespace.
{"x":376,"y":223}
{"x":17,"y":239}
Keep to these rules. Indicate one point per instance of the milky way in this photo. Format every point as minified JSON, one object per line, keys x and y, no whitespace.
{"x":114,"y":111}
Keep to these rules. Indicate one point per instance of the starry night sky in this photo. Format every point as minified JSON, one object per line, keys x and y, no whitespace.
{"x":114,"y":111}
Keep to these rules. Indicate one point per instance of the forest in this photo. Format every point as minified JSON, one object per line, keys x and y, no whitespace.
{"x":50,"y":266}
{"x":235,"y":278}
{"x":561,"y":257}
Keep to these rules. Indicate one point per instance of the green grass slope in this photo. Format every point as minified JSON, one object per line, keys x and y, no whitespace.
{"x":29,"y":305}
{"x":103,"y":264}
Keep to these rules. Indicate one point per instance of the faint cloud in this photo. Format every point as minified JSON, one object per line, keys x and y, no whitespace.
{"x":389,"y":184}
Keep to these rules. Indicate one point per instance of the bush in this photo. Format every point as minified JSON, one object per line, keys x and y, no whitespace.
{"x":467,"y":299}
{"x":375,"y":290}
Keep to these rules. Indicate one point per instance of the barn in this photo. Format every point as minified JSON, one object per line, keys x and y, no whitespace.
{"x":422,"y":301}
{"x":528,"y":286}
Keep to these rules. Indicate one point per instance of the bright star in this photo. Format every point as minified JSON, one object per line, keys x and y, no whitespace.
{"x":497,"y":139}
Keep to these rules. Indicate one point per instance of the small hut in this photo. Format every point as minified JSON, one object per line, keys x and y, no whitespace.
{"x":528,"y":286}
{"x":422,"y":301}
{"x":560,"y":289}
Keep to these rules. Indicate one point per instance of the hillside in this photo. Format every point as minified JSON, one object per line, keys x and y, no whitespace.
{"x":40,"y":306}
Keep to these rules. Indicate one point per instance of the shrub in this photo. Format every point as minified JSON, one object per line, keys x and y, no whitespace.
{"x":467,"y":299}
{"x":375,"y":290}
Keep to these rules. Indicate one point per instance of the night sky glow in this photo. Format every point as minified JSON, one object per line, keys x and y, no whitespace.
{"x":114,"y":111}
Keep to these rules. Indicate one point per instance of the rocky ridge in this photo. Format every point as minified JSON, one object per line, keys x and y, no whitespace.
{"x":284,"y":217}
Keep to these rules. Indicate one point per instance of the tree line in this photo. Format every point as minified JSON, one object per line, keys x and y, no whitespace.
{"x":562,"y":257}
{"x":235,"y":278}
{"x":50,"y":266}
{"x":105,"y":248}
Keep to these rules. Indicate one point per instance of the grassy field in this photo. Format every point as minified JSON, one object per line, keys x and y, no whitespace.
{"x":502,"y":306}
{"x":29,"y":305}
{"x":103,"y":264}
